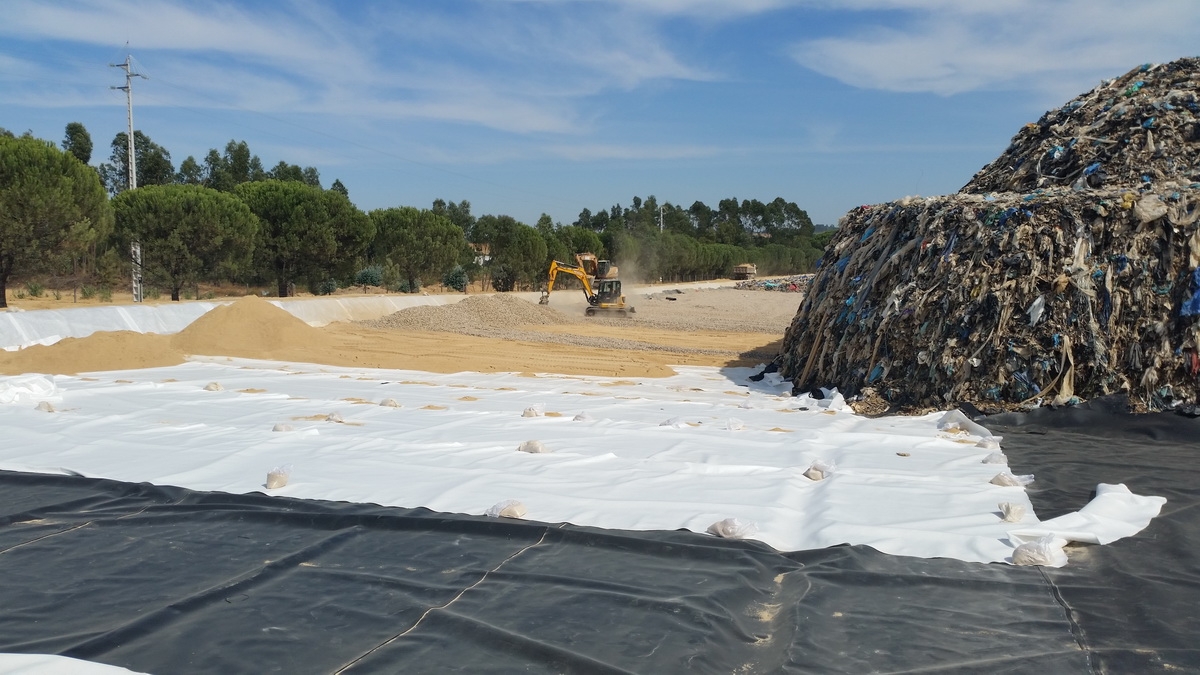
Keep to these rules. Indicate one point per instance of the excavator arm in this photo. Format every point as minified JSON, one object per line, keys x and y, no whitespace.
{"x":577,"y":272}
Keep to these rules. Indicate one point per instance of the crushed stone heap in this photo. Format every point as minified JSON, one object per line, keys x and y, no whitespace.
{"x":1143,"y":127}
{"x":1056,"y":296}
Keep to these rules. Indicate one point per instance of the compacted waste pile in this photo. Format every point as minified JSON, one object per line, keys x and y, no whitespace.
{"x":1058,"y":292}
{"x":797,"y":283}
{"x":1142,"y":127}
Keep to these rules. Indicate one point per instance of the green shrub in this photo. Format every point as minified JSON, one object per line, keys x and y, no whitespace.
{"x":35,"y":289}
{"x":405,"y":287}
{"x":390,"y":275}
{"x":369,"y":276}
{"x":105,"y":294}
{"x":456,"y":279}
{"x":327,"y":287}
{"x":57,"y":294}
{"x":87,"y":292}
{"x":151,"y":293}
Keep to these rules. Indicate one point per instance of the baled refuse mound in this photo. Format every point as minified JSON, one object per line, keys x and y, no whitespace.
{"x":1058,"y":295}
{"x":1139,"y":128}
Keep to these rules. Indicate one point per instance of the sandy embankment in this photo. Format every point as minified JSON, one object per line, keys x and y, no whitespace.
{"x":719,"y":327}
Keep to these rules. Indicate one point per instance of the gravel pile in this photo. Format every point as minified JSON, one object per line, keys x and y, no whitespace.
{"x":507,"y":317}
{"x":475,"y":313}
{"x":717,"y":309}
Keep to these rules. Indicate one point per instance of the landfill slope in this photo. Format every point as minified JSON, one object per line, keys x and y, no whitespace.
{"x":1050,"y":295}
{"x":1138,"y":128}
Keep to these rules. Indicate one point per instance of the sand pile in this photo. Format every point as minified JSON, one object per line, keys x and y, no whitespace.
{"x":250,"y":328}
{"x":1055,"y":296}
{"x":1139,"y":128}
{"x":118,"y":350}
{"x":476,"y":313}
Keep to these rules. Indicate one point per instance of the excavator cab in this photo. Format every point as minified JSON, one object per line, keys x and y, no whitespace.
{"x":608,"y":291}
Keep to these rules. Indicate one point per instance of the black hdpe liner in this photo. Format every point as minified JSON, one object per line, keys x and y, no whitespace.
{"x":166,"y":580}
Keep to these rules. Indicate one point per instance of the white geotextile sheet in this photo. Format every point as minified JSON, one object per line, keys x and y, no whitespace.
{"x":20,"y":329}
{"x":47,"y":664}
{"x":649,"y":454}
{"x":1113,"y":514}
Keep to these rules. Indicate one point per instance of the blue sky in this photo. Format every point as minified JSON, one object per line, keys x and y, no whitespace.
{"x":530,"y":106}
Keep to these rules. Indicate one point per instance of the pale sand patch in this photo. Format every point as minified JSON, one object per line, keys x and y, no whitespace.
{"x":254,"y":328}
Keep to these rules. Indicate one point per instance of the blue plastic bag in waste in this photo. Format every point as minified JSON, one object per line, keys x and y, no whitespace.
{"x":1191,"y":306}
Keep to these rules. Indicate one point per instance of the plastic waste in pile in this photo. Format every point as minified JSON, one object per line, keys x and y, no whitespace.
{"x":797,"y":283}
{"x":1030,"y":286}
{"x":1138,"y":128}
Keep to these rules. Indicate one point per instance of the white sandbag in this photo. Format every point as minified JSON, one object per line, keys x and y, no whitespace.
{"x":278,"y":477}
{"x":732,"y":528}
{"x":989,"y":442}
{"x":533,"y":447}
{"x":26,"y":388}
{"x":534,"y":411}
{"x":213,"y":386}
{"x":734,"y":424}
{"x":46,"y":406}
{"x":1006,"y":479}
{"x":1011,"y":513}
{"x":819,"y":470}
{"x":995,"y":458}
{"x":1045,"y":552}
{"x":957,"y":420}
{"x":509,"y":508}
{"x":390,"y":403}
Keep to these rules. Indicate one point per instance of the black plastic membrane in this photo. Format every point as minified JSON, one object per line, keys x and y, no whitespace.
{"x":166,"y":580}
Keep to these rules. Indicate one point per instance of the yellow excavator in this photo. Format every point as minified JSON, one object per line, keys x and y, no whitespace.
{"x":600,"y":284}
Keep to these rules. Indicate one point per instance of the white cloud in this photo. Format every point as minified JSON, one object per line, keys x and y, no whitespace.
{"x":531,"y":72}
{"x":695,"y":8}
{"x":600,"y":151}
{"x":1056,"y":48}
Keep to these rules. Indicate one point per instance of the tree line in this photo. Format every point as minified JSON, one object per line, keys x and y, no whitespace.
{"x":227,"y":219}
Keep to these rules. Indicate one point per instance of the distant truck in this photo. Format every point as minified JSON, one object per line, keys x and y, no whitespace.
{"x":744,"y":271}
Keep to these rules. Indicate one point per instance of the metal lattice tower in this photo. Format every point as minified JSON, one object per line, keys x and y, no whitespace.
{"x":135,"y":249}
